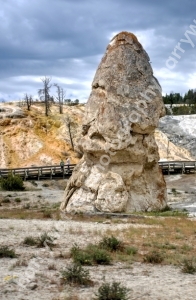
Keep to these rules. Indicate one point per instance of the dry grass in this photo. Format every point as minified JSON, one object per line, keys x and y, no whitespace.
{"x":27,"y":213}
{"x":163,"y":237}
{"x":174,"y":237}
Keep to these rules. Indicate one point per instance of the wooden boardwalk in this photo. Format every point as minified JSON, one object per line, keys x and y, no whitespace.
{"x":38,"y":173}
{"x":173,"y":167}
{"x":52,"y":172}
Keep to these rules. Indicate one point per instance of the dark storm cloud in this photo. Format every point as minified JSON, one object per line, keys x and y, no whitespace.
{"x":65,"y":39}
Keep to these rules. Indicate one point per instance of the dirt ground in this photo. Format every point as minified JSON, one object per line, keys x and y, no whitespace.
{"x":35,"y":273}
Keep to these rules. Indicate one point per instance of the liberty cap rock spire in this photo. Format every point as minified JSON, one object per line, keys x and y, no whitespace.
{"x":119,"y":170}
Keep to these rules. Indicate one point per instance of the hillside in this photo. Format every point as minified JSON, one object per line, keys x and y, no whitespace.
{"x":29,"y":138}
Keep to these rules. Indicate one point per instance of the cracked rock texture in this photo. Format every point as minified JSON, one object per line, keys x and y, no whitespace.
{"x":119,"y":169}
{"x":181,"y":131}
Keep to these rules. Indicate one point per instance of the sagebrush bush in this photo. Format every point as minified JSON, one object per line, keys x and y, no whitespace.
{"x":75,"y":274}
{"x":99,"y":256}
{"x":92,"y":254}
{"x":6,"y":200}
{"x":51,"y":267}
{"x":45,"y":240}
{"x":154,"y":257}
{"x":47,"y":214}
{"x":12,"y":183}
{"x":80,"y":256}
{"x":113,"y":291}
{"x":17,"y":200}
{"x":6,"y":252}
{"x":189,"y":266}
{"x":131,"y":250}
{"x":111,"y":244}
{"x":45,"y":185}
{"x":30,"y":241}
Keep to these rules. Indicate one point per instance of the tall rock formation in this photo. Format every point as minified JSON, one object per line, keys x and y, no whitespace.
{"x":119,"y":169}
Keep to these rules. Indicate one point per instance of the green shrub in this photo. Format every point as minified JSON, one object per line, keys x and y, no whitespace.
{"x":75,"y":274}
{"x":6,"y":252}
{"x":30,"y":241}
{"x":99,"y":256}
{"x":6,"y":200}
{"x":12,"y":183}
{"x":184,"y":110}
{"x":113,"y":291}
{"x":17,"y":200}
{"x":154,"y":257}
{"x":166,"y":208}
{"x":80,"y":256}
{"x":51,"y":267}
{"x":45,"y":185}
{"x":47,"y":214}
{"x":111,"y":244}
{"x":131,"y":250}
{"x":189,"y":266}
{"x":90,"y":255}
{"x":56,"y":205}
{"x":45,"y":240}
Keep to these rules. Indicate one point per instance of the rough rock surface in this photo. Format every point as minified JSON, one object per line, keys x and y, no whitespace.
{"x":169,"y":151}
{"x":119,"y":170}
{"x":10,"y":112}
{"x":181,"y":130}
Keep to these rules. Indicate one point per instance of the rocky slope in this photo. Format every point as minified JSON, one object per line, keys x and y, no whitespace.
{"x":180,"y":130}
{"x":29,"y":138}
{"x":168,"y":150}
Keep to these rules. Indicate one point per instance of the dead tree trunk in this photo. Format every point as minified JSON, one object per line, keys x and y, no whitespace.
{"x":68,"y":123}
{"x":28,"y":100}
{"x":60,"y":97}
{"x":44,"y":93}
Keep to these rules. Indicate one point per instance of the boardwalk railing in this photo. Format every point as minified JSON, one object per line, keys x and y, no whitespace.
{"x":50,"y":172}
{"x":42,"y":172}
{"x":170,"y":167}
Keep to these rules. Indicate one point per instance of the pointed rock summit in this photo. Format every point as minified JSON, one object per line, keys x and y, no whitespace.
{"x":119,"y":170}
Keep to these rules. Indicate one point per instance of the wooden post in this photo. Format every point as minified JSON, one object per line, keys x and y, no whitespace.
{"x":25,"y":174}
{"x":39,"y":173}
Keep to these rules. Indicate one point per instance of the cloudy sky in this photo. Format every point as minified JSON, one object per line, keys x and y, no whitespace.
{"x":65,"y":40}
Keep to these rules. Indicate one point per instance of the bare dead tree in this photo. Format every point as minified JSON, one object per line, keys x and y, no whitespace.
{"x":60,"y":97}
{"x":44,"y":94}
{"x":68,"y":123}
{"x":28,"y":100}
{"x":63,"y":93}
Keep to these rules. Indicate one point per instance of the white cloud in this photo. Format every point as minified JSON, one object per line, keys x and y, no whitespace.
{"x":191,"y":81}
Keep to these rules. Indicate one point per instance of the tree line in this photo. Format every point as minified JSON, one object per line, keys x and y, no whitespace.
{"x":186,"y":104}
{"x":189,"y":98}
